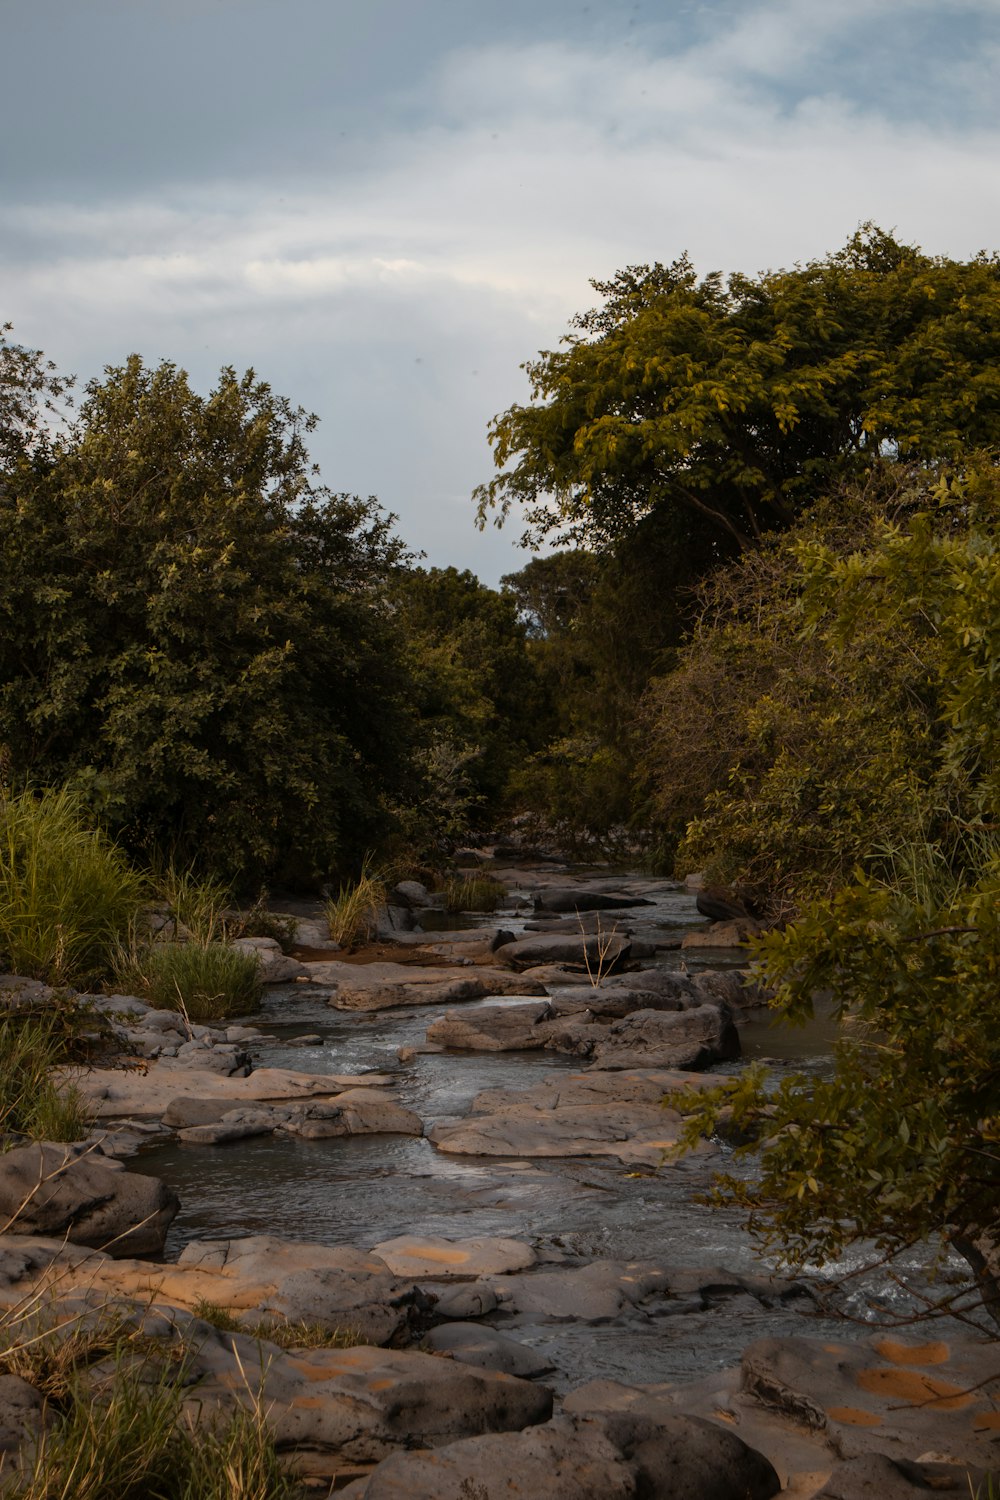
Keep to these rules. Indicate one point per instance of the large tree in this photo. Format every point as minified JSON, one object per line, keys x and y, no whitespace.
{"x":192,"y":630}
{"x":732,"y":402}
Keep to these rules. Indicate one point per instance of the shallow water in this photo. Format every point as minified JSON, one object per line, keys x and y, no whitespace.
{"x":363,"y":1190}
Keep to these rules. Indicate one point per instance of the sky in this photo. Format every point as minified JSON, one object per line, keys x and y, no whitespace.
{"x":386,"y":206}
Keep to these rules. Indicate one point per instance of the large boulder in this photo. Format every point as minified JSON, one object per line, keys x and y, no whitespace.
{"x":618,"y":1457}
{"x":669,"y":1039}
{"x":578,"y":899}
{"x":492,"y":1028}
{"x":54,"y":1191}
{"x":599,"y":953}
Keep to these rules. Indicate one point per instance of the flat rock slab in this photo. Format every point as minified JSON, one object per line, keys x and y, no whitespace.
{"x":494,"y":1028}
{"x":593,"y":1114}
{"x":418,"y":1256}
{"x":473,"y":1344}
{"x":353,"y":1112}
{"x":147,"y":1094}
{"x":618,"y":1457}
{"x":901,"y":1398}
{"x":385,"y":986}
{"x":338,"y":1287}
{"x":598,"y":953}
{"x":568,"y":898}
{"x":669,"y":1039}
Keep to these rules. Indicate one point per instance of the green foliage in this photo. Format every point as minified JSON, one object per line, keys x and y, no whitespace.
{"x":353,"y":915}
{"x":31,"y":1045}
{"x":812,"y":722}
{"x":197,"y":902}
{"x":581,"y":792}
{"x":477,"y":692}
{"x":67,"y":894}
{"x":207,"y":981}
{"x":733,"y":403}
{"x":195,"y":633}
{"x":902,"y":1141}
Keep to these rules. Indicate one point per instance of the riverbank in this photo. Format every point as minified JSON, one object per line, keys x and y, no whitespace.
{"x":504,"y":1206}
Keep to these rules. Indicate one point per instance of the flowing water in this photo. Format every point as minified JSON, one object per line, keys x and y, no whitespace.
{"x":362,"y":1190}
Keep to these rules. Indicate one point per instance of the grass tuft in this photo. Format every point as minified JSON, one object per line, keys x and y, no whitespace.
{"x":68,"y":896}
{"x":208,"y":981}
{"x":31,"y":1045}
{"x":287,"y":1335}
{"x":480,"y":893}
{"x":353,"y":915}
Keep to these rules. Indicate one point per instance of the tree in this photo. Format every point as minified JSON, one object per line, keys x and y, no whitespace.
{"x":194,"y":632}
{"x":733,"y":403}
{"x":904,"y":1139}
{"x":480,"y":698}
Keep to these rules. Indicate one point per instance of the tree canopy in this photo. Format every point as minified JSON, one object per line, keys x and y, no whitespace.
{"x":193,"y":631}
{"x":734,"y":402}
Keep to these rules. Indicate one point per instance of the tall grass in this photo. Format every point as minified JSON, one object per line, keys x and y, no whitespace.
{"x":208,"y":981}
{"x":30,"y":1103}
{"x":480,"y":893}
{"x":120,"y":1424}
{"x":197,"y":902}
{"x":353,"y":915}
{"x":67,"y":894}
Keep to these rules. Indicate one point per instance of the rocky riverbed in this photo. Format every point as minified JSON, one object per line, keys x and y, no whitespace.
{"x":453,"y":1154}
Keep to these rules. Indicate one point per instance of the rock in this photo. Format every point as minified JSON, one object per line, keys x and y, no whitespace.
{"x":411,"y":893}
{"x":603,"y":953}
{"x":614,"y":1114}
{"x":22,"y":1418}
{"x":720,"y":935}
{"x":494,"y":1028}
{"x":579,"y":899}
{"x":274,"y":967}
{"x":669,"y":1039}
{"x":463,"y":1300}
{"x":877,"y":1477}
{"x":721,"y":906}
{"x":618,"y":1457}
{"x":417,"y":1256}
{"x":49,"y":1190}
{"x":381,"y":986}
{"x":112,"y":1093}
{"x":18,"y":993}
{"x":473,"y":1344}
{"x":902,"y":1399}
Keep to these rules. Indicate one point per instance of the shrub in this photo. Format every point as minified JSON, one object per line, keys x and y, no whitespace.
{"x":67,"y":894}
{"x":208,"y":981}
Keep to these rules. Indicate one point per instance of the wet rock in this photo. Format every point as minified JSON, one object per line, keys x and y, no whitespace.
{"x":669,"y":1039}
{"x":417,"y":1256}
{"x":580,"y":899}
{"x":495,"y":1028}
{"x":473,"y":1344}
{"x":603,"y":953}
{"x":168,"y":1083}
{"x":48,"y":1190}
{"x":595,"y":1114}
{"x":383,"y":986}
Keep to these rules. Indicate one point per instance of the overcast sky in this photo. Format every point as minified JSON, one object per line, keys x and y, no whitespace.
{"x":385,"y":206}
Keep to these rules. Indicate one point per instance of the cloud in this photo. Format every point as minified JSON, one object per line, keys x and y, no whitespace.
{"x":398,"y":295}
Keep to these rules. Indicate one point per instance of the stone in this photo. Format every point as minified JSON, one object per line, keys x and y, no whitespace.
{"x":22,"y":1417}
{"x":672,"y":1039}
{"x":602,"y":953}
{"x":411,"y":893}
{"x":495,"y":1028}
{"x":619,"y":1457}
{"x":473,"y":1344}
{"x":579,"y":899}
{"x":382,"y":986}
{"x":113,"y":1093}
{"x":617,"y":1114}
{"x":463,"y":1300}
{"x":49,"y":1190}
{"x":418,"y":1256}
{"x":720,"y":935}
{"x":274,"y":967}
